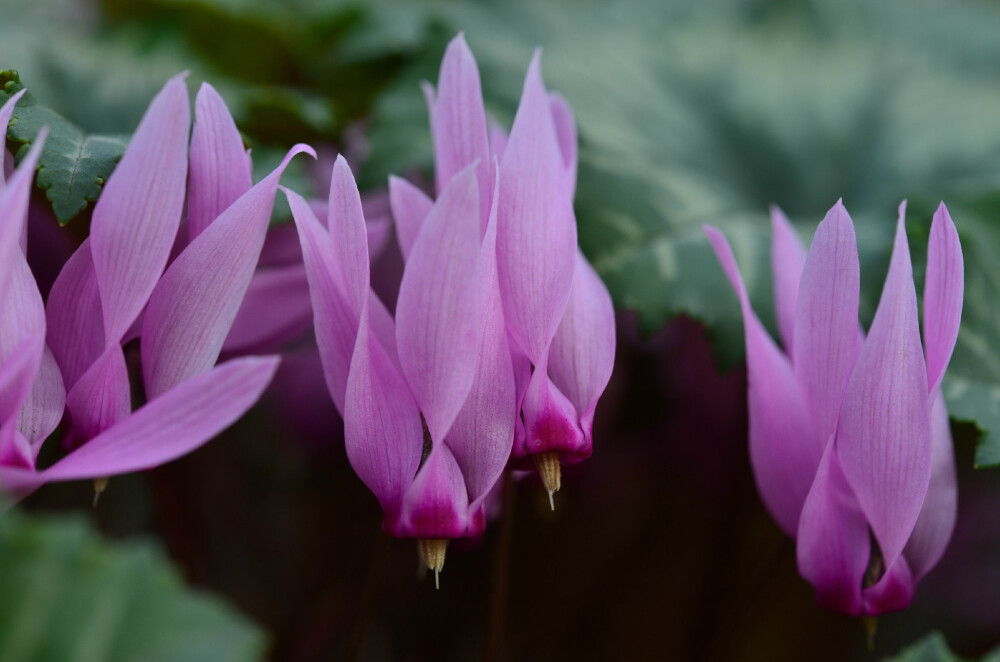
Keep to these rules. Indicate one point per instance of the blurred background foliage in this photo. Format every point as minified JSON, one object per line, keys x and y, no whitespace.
{"x":689,"y":113}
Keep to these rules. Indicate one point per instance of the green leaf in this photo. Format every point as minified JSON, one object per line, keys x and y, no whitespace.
{"x":934,"y":648}
{"x":74,"y":165}
{"x":67,"y":595}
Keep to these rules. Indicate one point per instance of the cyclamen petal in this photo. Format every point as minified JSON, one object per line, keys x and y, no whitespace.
{"x":100,"y":398}
{"x":410,"y":206}
{"x":43,"y":408}
{"x":435,"y":505}
{"x":14,"y":210}
{"x":565,"y":124}
{"x":136,"y":218}
{"x":945,"y":284}
{"x":788,"y":258}
{"x":275,"y":309}
{"x":74,"y":318}
{"x":6,"y":111}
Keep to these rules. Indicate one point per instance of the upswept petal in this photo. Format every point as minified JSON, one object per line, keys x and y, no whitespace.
{"x":14,"y":210}
{"x":220,"y":168}
{"x":436,"y":504}
{"x":826,"y":318}
{"x":23,"y":313}
{"x":439,"y":325}
{"x":788,"y":258}
{"x":583,"y":350}
{"x":194,"y":304}
{"x":172,"y":425}
{"x":334,"y":318}
{"x":565,"y":123}
{"x":276,"y":309}
{"x":536,"y":234}
{"x":100,"y":398}
{"x":410,"y":206}
{"x":5,"y":112}
{"x":937,"y":517}
{"x":383,"y":434}
{"x":483,"y":432}
{"x":349,"y":235}
{"x":43,"y":408}
{"x":894,"y":591}
{"x":17,"y":372}
{"x":550,"y":422}
{"x":498,"y":139}
{"x":73,"y":316}
{"x":784,"y":450}
{"x":459,"y":119}
{"x":136,"y":218}
{"x":832,"y":543}
{"x":884,"y":438}
{"x":943,"y":291}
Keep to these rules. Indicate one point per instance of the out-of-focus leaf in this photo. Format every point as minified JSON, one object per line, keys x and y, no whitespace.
{"x":74,"y":165}
{"x":934,"y":648}
{"x":67,"y":595}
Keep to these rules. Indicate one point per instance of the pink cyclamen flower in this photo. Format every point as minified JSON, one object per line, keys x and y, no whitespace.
{"x":558,"y":313}
{"x":114,"y":289}
{"x":425,"y":399}
{"x":849,"y":436}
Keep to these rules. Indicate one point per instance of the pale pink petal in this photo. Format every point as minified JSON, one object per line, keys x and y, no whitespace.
{"x":894,"y":591}
{"x":349,"y":235}
{"x":276,"y":309}
{"x":220,"y":167}
{"x":194,"y":304}
{"x":943,"y":290}
{"x":17,"y":372}
{"x":536,"y":235}
{"x":43,"y":408}
{"x":74,"y":320}
{"x":788,"y":257}
{"x":436,"y":504}
{"x":784,"y":448}
{"x":5,"y":112}
{"x":439,"y":326}
{"x":565,"y":123}
{"x":884,"y":438}
{"x":100,"y":398}
{"x":172,"y":425}
{"x":14,"y":202}
{"x":832,"y":543}
{"x":498,"y":139}
{"x":550,"y":422}
{"x":410,"y":206}
{"x":826,"y":319}
{"x":136,"y":218}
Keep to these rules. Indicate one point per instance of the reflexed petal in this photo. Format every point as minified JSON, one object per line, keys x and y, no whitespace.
{"x":410,"y":206}
{"x":193,"y":306}
{"x":172,"y":425}
{"x":943,"y":290}
{"x":382,"y":430}
{"x":826,"y":318}
{"x":74,"y":326}
{"x":439,"y":326}
{"x":788,"y":257}
{"x":498,"y":140}
{"x":436,"y":504}
{"x":784,"y":448}
{"x":459,"y":130}
{"x":220,"y":167}
{"x":17,"y":372}
{"x":101,"y":397}
{"x":565,"y":123}
{"x":43,"y":409}
{"x":894,"y":591}
{"x":136,"y":218}
{"x":14,"y":210}
{"x":536,"y":235}
{"x":23,"y":314}
{"x":583,"y":349}
{"x":349,"y":235}
{"x":884,"y":439}
{"x":550,"y":422}
{"x":483,"y":432}
{"x":937,"y":517}
{"x":5,"y":112}
{"x":276,"y":309}
{"x":833,"y":544}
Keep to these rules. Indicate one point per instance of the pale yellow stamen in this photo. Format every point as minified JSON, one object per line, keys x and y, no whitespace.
{"x":550,"y":471}
{"x":432,"y":552}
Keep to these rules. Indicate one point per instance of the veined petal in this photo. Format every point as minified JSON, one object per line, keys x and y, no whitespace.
{"x":5,"y":112}
{"x":136,"y":218}
{"x":826,"y":318}
{"x":565,"y":124}
{"x":349,"y":235}
{"x":483,"y":432}
{"x":220,"y":167}
{"x":894,"y":591}
{"x":884,"y":438}
{"x":16,"y":483}
{"x":193,"y":306}
{"x":788,"y":258}
{"x":498,"y":139}
{"x":383,"y":434}
{"x":536,"y":234}
{"x":276,"y":309}
{"x":334,"y":317}
{"x":172,"y":425}
{"x":436,"y":504}
{"x":583,"y":349}
{"x":784,"y":448}
{"x":14,"y":211}
{"x":17,"y":372}
{"x":550,"y":422}
{"x":74,"y":319}
{"x":439,"y":325}
{"x":43,"y":409}
{"x":23,"y":312}
{"x":936,"y":522}
{"x":100,"y":398}
{"x":833,"y":545}
{"x":410,"y":206}
{"x":459,"y":119}
{"x":943,"y":291}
